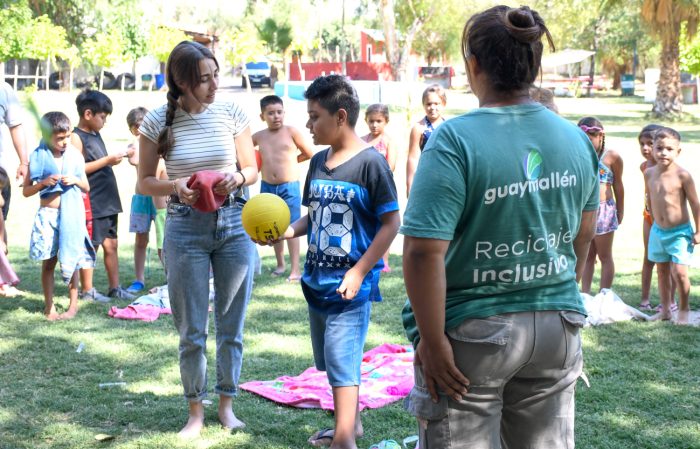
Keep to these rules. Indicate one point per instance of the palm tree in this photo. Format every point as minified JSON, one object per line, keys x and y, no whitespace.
{"x":665,"y":18}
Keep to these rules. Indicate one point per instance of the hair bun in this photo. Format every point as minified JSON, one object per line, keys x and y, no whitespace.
{"x":523,"y":25}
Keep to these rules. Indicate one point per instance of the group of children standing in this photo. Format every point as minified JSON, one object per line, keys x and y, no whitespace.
{"x":79,"y":205}
{"x":667,"y":231}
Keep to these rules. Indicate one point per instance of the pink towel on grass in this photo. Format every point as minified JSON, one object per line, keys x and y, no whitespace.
{"x":387,"y":376}
{"x":139,"y":312}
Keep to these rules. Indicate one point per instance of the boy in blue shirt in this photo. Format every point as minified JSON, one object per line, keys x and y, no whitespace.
{"x":353,"y":218}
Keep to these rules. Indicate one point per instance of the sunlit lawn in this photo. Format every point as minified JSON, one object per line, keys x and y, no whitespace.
{"x":645,"y":378}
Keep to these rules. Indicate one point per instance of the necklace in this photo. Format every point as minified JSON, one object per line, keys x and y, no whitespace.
{"x":195,"y":120}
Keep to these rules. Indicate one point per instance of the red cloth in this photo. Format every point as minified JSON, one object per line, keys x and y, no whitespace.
{"x":204,"y":181}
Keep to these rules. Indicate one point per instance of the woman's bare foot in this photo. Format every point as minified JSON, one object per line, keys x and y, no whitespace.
{"x":226,"y":416}
{"x":68,"y":315}
{"x":195,"y":421}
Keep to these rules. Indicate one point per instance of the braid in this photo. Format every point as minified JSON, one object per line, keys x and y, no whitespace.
{"x":602,"y":145}
{"x":165,"y":138}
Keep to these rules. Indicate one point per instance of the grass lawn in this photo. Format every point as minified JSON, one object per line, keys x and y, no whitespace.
{"x":645,"y":377}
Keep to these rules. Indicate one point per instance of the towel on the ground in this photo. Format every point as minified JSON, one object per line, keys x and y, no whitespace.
{"x":73,"y":240}
{"x":387,"y":376}
{"x":151,"y":306}
{"x":606,"y":307}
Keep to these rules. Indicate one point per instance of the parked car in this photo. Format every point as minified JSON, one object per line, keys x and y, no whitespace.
{"x":259,"y":73}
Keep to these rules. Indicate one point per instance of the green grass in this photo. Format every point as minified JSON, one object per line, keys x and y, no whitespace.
{"x":645,"y":377}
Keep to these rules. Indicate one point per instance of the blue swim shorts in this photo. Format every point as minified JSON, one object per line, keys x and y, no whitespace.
{"x":289,"y":192}
{"x":338,"y":341}
{"x":142,"y":213}
{"x":671,"y":245}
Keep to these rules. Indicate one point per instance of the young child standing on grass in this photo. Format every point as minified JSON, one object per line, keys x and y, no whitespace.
{"x":434,"y":101}
{"x":353,"y":218}
{"x":281,"y":149}
{"x":377,"y":117}
{"x":646,"y":146}
{"x":93,"y":109}
{"x":610,"y":210}
{"x":671,"y":238}
{"x":8,"y":277}
{"x":57,"y":173}
{"x":144,"y":208}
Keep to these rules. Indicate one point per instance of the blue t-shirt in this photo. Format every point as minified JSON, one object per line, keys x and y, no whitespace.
{"x":345,"y":205}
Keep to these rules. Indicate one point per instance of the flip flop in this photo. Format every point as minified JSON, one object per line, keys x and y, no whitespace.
{"x":674,"y":307}
{"x":293,"y":279}
{"x":646,"y":306}
{"x":323,"y":437}
{"x":276,"y":273}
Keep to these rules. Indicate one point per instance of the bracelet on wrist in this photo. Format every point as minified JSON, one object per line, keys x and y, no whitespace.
{"x":175,"y":187}
{"x":242,"y":176}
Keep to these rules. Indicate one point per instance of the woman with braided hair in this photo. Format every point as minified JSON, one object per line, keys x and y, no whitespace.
{"x":194,"y":132}
{"x":496,"y":231}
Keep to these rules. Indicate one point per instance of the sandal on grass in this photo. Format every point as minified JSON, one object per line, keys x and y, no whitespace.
{"x":323,"y":437}
{"x":646,"y":306}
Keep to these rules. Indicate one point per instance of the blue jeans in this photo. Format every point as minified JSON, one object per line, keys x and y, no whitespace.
{"x":193,"y":241}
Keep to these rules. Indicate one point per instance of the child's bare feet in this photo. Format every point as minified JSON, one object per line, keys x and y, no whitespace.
{"x":51,"y":313}
{"x":682,"y":317}
{"x":661,"y":316}
{"x":69,"y":314}
{"x":195,"y":421}
{"x":226,"y":416}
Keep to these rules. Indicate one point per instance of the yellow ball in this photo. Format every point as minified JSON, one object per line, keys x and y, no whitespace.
{"x":265,"y":216}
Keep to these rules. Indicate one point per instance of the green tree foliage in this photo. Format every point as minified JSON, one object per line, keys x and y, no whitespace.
{"x":162,"y":39}
{"x":278,"y":37}
{"x":241,"y":45}
{"x":75,"y":16}
{"x":15,"y":22}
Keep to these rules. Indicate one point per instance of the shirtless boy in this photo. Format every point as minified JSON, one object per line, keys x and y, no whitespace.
{"x":671,"y":239}
{"x":282,"y":148}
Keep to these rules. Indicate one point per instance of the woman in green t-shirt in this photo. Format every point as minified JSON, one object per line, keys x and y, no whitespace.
{"x":496,"y":230}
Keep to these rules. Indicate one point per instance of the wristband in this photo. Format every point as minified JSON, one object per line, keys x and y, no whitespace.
{"x":175,"y":188}
{"x":242,"y":176}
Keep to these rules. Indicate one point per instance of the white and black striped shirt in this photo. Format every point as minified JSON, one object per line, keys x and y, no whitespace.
{"x":203,"y":141}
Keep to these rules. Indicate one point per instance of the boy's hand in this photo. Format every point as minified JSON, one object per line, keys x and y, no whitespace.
{"x":696,"y":238}
{"x":288,"y":234}
{"x":114,"y":159}
{"x":69,"y":180}
{"x":350,"y":285}
{"x":50,"y":180}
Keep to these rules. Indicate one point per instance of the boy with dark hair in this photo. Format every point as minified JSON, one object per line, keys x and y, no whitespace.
{"x":281,"y":149}
{"x":671,"y":239}
{"x":57,"y":173}
{"x":93,"y":108}
{"x":353,"y":218}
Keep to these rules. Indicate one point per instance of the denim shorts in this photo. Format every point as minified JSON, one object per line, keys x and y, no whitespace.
{"x":43,"y":243}
{"x":289,"y":192}
{"x":142,"y":213}
{"x":338,"y":341}
{"x":671,"y":245}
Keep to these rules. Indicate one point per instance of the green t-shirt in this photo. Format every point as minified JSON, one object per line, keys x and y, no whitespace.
{"x":506,"y":186}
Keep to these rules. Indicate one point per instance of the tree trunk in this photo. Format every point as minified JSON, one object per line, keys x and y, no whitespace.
{"x":669,"y":100}
{"x":391,"y":45}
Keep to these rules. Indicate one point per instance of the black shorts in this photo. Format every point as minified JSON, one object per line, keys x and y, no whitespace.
{"x":104,"y":228}
{"x":6,"y":193}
